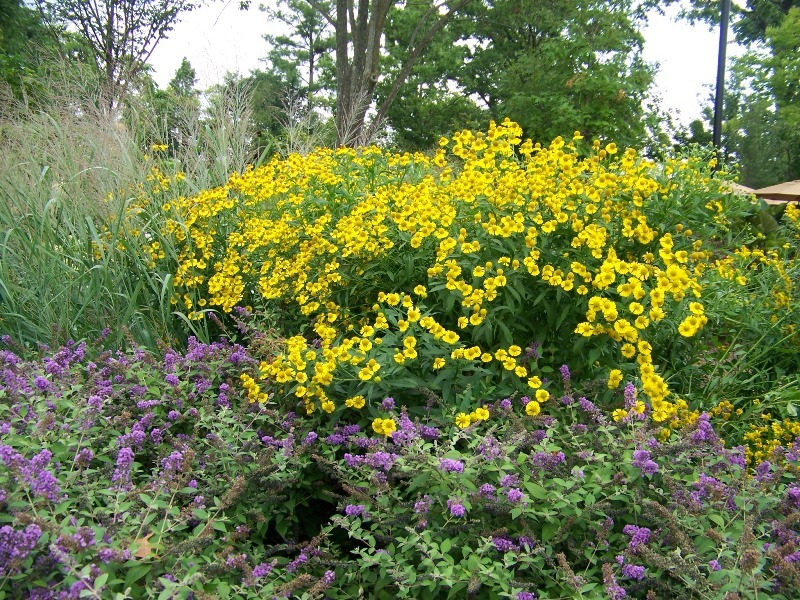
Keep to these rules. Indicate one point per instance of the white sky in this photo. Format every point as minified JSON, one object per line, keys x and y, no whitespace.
{"x":220,"y":38}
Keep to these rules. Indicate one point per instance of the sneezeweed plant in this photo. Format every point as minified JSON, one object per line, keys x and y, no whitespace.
{"x":477,"y":270}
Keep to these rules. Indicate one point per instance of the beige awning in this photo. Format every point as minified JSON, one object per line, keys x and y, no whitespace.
{"x":788,"y":191}
{"x":738,"y":188}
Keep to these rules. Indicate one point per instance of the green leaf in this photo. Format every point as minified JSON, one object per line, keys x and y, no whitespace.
{"x":220,"y":526}
{"x":446,"y":545}
{"x":535,"y":490}
{"x":549,"y":531}
{"x":136,"y":572}
{"x":717,"y":519}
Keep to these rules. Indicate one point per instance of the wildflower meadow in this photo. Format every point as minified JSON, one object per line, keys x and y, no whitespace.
{"x":504,"y":368}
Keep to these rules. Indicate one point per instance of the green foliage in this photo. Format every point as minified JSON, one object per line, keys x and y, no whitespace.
{"x":120,"y":36}
{"x":784,"y":42}
{"x":18,"y":26}
{"x":78,"y":230}
{"x":761,"y":121}
{"x":557,"y":68}
{"x":126,"y":476}
{"x":428,"y":105}
{"x":174,"y":110}
{"x":299,"y":59}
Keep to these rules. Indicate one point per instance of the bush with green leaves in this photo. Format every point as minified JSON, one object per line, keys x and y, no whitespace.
{"x":127,"y":476}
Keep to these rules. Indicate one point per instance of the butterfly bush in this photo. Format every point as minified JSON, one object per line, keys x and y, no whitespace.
{"x":136,"y":475}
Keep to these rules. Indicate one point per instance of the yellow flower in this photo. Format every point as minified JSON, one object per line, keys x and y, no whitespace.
{"x":542,"y":395}
{"x":438,"y":363}
{"x":534,"y":382}
{"x":619,"y":414}
{"x":384,"y":426}
{"x":451,"y":337}
{"x":532,"y":408}
{"x":463,"y":420}
{"x":355,"y":402}
{"x":328,"y":406}
{"x":614,"y":379}
{"x":514,"y":350}
{"x":481,"y":414}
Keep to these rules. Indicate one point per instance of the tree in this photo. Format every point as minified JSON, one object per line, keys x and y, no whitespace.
{"x":749,"y":21}
{"x":784,"y":82}
{"x":359,"y":33}
{"x":298,"y":58}
{"x":557,"y":67}
{"x":24,"y":39}
{"x":175,"y":109}
{"x":762,"y":100}
{"x":430,"y":103}
{"x":121,"y":34}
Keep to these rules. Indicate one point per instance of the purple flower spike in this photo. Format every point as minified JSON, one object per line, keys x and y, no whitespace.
{"x":456,"y":508}
{"x":641,"y":460}
{"x":451,"y":465}
{"x":639,"y":536}
{"x":514,"y":495}
{"x":355,"y":510}
{"x":633,"y":572}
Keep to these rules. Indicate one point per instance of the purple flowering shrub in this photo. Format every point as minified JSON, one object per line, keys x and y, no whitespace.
{"x":131,"y":475}
{"x":123,"y":473}
{"x":571,"y":504}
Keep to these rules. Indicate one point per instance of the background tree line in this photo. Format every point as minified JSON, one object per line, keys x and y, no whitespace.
{"x":409,"y":72}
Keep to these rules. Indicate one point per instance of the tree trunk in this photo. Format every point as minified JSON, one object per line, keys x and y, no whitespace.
{"x":358,"y":48}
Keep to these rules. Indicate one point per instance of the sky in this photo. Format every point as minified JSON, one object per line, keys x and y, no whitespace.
{"x":220,"y":38}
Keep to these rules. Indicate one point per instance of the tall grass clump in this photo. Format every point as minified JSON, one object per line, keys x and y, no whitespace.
{"x":78,"y":223}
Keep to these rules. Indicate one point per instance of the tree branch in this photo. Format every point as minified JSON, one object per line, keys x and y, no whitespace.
{"x":413,"y":56}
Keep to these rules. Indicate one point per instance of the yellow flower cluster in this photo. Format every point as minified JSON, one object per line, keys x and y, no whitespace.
{"x":314,"y":234}
{"x":762,"y":440}
{"x":464,"y":420}
{"x":254,"y":393}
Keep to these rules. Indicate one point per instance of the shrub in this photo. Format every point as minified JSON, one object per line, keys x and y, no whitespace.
{"x":126,"y":476}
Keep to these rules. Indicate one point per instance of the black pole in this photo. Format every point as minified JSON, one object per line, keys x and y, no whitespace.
{"x":718,"y":100}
